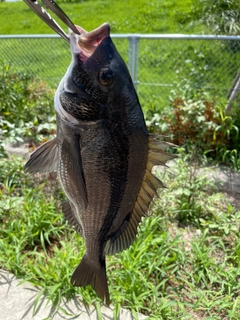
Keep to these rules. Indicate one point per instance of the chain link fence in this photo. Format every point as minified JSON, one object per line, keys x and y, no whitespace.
{"x":159,"y":64}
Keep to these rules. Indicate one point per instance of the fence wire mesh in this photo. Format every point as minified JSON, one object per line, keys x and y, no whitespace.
{"x":158,"y":66}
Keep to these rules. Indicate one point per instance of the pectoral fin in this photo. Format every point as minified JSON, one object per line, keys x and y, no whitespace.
{"x":44,"y":159}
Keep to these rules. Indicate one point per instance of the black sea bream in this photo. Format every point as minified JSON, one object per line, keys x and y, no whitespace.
{"x":103,"y":154}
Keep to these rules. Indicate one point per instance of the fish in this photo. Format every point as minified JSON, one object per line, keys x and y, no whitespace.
{"x":102,"y":152}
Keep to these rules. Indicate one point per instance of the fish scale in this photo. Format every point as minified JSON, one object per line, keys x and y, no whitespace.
{"x":103,"y":154}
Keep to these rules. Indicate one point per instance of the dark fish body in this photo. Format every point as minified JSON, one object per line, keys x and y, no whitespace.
{"x":103,"y":154}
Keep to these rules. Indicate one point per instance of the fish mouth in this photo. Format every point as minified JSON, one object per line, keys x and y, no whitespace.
{"x":86,"y":43}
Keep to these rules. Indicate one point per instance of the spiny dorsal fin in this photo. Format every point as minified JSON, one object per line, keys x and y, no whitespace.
{"x":156,"y":152}
{"x":155,"y":143}
{"x":158,"y":158}
{"x":127,"y":233}
{"x":153,"y":181}
{"x":150,"y":184}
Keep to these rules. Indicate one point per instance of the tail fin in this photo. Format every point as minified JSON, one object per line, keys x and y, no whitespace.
{"x":95,"y":275}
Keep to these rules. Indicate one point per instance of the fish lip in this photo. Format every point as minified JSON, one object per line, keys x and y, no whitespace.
{"x":86,"y":43}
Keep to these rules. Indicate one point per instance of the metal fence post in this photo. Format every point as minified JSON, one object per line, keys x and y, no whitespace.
{"x":133,"y":43}
{"x":164,"y":61}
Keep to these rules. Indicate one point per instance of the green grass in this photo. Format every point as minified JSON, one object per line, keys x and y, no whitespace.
{"x":184,"y":263}
{"x":124,"y":16}
{"x":165,"y":63}
{"x":166,"y":66}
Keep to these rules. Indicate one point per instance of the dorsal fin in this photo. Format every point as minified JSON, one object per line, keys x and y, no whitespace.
{"x":156,"y":152}
{"x":128,"y":231}
{"x":150,"y":184}
{"x":127,"y":235}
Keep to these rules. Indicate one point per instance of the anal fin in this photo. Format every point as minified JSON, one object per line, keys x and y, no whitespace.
{"x":70,"y":217}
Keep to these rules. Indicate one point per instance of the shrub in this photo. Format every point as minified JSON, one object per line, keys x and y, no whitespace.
{"x":195,"y":121}
{"x":26,"y":106}
{"x":222,"y":16}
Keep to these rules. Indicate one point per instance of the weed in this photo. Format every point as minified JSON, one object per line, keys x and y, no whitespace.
{"x":222,"y":16}
{"x":184,"y":262}
{"x":22,"y":101}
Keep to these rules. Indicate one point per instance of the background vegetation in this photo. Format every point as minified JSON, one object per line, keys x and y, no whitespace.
{"x":123,"y":16}
{"x":185,"y":261}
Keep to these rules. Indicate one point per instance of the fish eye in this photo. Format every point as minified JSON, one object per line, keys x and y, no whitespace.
{"x":105,"y":76}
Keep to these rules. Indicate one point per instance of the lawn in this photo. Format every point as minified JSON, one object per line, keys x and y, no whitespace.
{"x":162,"y":64}
{"x":167,"y":16}
{"x":185,"y":262}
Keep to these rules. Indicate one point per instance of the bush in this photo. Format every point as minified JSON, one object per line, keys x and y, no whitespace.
{"x":222,"y":16}
{"x":26,"y":106}
{"x":195,"y":121}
